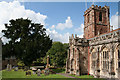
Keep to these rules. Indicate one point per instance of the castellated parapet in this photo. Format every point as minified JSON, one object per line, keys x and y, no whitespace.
{"x":105,"y":8}
{"x":77,"y":58}
{"x":76,"y":41}
{"x":98,"y":53}
{"x":96,"y":21}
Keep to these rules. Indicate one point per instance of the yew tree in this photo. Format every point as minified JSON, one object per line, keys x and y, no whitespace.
{"x":27,"y":41}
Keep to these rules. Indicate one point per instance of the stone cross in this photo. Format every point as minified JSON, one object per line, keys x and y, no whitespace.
{"x":47,"y":61}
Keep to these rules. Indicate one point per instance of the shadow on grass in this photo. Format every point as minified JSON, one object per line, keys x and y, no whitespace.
{"x":59,"y":70}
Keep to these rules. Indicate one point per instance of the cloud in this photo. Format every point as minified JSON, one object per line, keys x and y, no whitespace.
{"x":14,"y":10}
{"x":114,"y":21}
{"x":67,"y":24}
{"x":80,"y":36}
{"x":58,"y":37}
{"x":53,"y":26}
{"x":80,"y":29}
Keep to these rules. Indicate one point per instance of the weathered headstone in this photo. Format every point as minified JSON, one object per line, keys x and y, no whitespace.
{"x":46,"y":72}
{"x":28,"y":73}
{"x":34,"y":70}
{"x":8,"y":67}
{"x":16,"y":69}
{"x":38,"y":72}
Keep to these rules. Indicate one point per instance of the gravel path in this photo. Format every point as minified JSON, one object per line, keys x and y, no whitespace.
{"x":66,"y":75}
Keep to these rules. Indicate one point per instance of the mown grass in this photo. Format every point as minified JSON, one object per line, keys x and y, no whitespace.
{"x":59,"y":70}
{"x":22,"y":74}
{"x":19,"y":75}
{"x":86,"y":77}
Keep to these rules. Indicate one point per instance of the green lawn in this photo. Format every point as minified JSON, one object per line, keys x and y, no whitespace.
{"x":87,"y":77}
{"x":82,"y":76}
{"x":0,"y":75}
{"x":21,"y":74}
{"x":59,"y":70}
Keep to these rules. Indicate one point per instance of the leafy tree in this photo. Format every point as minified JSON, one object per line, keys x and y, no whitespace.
{"x":57,"y":54}
{"x":28,"y":41}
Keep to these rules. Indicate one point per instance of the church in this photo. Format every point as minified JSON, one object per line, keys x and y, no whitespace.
{"x":98,"y":52}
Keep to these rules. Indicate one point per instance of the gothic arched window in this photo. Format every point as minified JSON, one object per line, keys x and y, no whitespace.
{"x":100,"y":16}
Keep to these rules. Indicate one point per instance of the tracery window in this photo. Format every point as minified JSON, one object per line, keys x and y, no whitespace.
{"x":94,"y":58}
{"x":105,"y":60}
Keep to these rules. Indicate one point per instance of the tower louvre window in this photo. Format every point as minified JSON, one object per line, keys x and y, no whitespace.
{"x":100,"y":16}
{"x":88,"y":18}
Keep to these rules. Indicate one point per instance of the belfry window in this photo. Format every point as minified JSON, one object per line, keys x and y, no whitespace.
{"x":100,"y":16}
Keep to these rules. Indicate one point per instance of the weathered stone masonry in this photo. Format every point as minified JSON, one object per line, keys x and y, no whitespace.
{"x":98,"y":53}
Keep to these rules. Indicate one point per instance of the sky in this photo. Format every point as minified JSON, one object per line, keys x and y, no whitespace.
{"x":61,"y":19}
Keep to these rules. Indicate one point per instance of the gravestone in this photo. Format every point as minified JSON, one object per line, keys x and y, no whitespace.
{"x":16,"y":69}
{"x":7,"y":67}
{"x":10,"y":67}
{"x":28,"y":73}
{"x":38,"y":72}
{"x":46,"y":72}
{"x":34,"y":70}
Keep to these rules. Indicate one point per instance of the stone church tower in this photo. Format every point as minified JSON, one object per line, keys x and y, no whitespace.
{"x":98,"y":53}
{"x":96,"y":21}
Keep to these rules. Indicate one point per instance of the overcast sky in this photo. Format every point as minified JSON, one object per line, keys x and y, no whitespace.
{"x":61,"y":19}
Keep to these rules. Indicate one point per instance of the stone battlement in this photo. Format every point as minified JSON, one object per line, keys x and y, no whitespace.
{"x":105,"y":38}
{"x":77,"y":41}
{"x":97,"y":8}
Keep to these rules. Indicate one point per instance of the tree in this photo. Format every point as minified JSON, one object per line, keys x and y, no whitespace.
{"x":28,"y":41}
{"x":57,"y":54}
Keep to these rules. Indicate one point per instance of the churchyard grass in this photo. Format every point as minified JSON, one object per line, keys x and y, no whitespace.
{"x":0,"y":75}
{"x":59,"y":70}
{"x":21,"y":74}
{"x":87,"y":77}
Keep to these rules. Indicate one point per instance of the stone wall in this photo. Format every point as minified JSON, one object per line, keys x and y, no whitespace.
{"x":92,"y":23}
{"x":106,"y":48}
{"x":77,"y":56}
{"x":99,"y":51}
